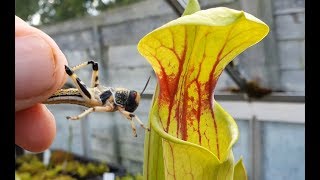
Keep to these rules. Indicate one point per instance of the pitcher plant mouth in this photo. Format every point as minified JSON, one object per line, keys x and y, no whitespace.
{"x":191,"y":134}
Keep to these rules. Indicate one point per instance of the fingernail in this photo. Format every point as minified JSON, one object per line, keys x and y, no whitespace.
{"x":34,"y":66}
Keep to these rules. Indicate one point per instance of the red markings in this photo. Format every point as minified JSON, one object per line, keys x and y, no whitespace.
{"x":169,"y":92}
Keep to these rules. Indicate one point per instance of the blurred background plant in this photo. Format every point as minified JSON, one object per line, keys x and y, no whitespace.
{"x":40,"y":12}
{"x":62,"y":166}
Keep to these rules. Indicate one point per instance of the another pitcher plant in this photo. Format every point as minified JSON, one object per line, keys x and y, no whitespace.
{"x":191,"y":135}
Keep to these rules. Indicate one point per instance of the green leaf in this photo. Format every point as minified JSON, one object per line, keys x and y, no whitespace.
{"x":192,"y":7}
{"x":240,"y":172}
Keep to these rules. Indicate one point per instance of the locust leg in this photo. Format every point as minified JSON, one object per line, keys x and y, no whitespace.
{"x":140,"y":122}
{"x":85,"y":93}
{"x":90,"y":110}
{"x":130,"y":117}
{"x":95,"y":73}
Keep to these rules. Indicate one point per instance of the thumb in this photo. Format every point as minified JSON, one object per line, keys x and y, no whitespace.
{"x":39,"y":66}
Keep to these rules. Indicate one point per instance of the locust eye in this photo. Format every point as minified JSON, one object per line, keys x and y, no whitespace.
{"x":133,"y":101}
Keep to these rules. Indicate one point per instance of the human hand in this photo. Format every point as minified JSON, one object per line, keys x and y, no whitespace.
{"x":39,"y":72}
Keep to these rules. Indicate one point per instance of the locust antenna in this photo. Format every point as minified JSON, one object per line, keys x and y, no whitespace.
{"x":145,"y":86}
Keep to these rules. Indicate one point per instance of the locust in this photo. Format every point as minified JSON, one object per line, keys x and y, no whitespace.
{"x":98,"y":98}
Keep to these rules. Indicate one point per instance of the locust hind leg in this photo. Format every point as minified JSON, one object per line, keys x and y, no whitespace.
{"x":85,"y":93}
{"x":95,"y":72}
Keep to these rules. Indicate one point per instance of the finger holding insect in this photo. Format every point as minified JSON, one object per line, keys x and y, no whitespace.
{"x":35,"y":51}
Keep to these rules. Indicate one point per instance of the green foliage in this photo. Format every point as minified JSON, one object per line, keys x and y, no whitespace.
{"x":130,"y":177}
{"x":192,"y":7}
{"x":52,"y":11}
{"x":113,"y":3}
{"x":26,"y":8}
{"x":62,"y":167}
{"x":60,"y":10}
